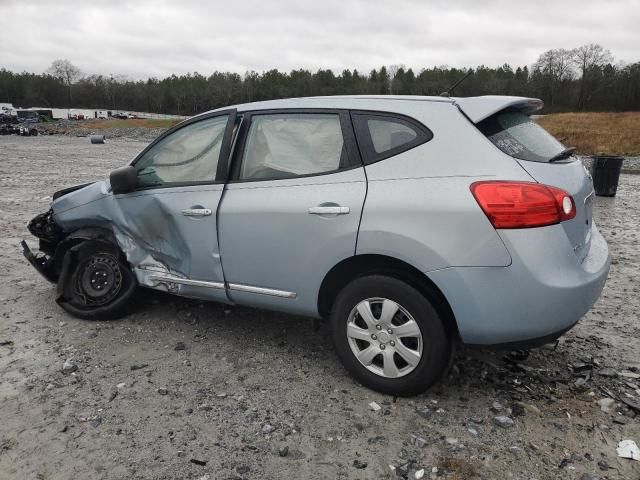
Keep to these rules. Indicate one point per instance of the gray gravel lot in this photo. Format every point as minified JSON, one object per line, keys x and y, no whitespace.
{"x":185,"y":389}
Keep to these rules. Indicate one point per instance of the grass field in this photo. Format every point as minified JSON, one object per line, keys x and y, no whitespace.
{"x":612,"y":133}
{"x":131,"y":123}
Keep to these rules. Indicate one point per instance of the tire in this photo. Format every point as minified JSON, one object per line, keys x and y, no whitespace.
{"x":428,"y":348}
{"x":96,"y":282}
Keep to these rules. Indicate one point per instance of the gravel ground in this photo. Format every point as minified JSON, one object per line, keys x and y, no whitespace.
{"x":79,"y":128}
{"x":184,"y":389}
{"x":629,"y":164}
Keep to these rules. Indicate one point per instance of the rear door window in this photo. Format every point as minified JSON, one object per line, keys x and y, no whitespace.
{"x":517,"y":135}
{"x":384,"y":135}
{"x":285,"y":145}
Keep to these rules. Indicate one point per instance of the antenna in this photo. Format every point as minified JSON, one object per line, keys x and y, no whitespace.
{"x":447,"y":93}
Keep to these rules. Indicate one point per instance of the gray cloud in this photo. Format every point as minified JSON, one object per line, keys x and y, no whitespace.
{"x":144,"y":38}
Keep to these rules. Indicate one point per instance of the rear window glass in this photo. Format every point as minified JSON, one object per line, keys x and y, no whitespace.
{"x":517,"y":135}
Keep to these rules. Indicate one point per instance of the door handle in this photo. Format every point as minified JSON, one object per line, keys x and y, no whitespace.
{"x":197,"y":212}
{"x":337,"y":210}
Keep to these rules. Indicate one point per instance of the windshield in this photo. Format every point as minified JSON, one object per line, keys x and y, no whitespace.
{"x":517,"y":135}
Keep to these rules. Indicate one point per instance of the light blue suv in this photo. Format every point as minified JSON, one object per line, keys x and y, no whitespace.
{"x":409,"y":222}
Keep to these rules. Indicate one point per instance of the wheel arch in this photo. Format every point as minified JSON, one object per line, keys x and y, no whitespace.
{"x":75,"y":238}
{"x":71,"y":251}
{"x":369,"y":264}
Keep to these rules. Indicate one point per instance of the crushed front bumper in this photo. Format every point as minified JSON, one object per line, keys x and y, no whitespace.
{"x":44,"y":228}
{"x":42,"y":263}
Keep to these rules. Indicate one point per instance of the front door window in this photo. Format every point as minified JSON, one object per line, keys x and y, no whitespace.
{"x":188,"y":155}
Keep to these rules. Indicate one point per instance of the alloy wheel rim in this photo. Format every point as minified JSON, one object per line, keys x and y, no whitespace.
{"x":384,"y":337}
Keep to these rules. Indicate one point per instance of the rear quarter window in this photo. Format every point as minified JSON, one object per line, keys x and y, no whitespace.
{"x":517,"y":135}
{"x":383,"y":135}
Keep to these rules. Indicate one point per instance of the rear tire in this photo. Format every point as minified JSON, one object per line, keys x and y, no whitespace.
{"x":98,"y":284}
{"x":403,"y":346}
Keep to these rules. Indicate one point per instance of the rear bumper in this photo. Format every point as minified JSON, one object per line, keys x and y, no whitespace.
{"x":541,"y":295}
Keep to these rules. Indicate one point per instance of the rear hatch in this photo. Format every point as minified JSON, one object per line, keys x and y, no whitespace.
{"x":547,"y":161}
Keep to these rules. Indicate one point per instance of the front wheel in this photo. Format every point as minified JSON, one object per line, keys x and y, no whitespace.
{"x":389,"y":336}
{"x":97,"y":284}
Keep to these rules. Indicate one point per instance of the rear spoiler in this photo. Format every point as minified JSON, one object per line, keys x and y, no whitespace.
{"x":479,"y":108}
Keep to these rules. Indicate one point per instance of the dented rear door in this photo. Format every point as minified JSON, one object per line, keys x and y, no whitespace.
{"x":168,"y":226}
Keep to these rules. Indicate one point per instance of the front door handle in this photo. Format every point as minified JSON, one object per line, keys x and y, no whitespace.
{"x":333,"y":210}
{"x":197,"y":212}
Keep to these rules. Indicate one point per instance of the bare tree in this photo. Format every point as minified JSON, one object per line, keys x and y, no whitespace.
{"x":392,"y":70}
{"x":587,"y":58}
{"x":66,"y":72}
{"x":556,"y":66}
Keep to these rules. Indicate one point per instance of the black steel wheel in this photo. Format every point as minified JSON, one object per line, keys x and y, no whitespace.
{"x":96,"y":282}
{"x":99,"y":279}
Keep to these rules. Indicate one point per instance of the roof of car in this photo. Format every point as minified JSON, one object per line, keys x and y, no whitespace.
{"x":476,"y":108}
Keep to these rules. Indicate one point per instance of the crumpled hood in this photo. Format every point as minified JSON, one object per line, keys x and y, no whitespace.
{"x":90,"y":193}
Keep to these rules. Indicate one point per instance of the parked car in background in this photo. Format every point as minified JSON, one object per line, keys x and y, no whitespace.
{"x":410,"y":223}
{"x":8,"y":119}
{"x":7,"y":109}
{"x":28,"y":116}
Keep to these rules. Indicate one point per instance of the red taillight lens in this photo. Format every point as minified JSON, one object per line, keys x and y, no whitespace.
{"x":523,"y":204}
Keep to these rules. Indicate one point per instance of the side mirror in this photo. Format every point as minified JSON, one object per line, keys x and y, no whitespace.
{"x":123,"y":180}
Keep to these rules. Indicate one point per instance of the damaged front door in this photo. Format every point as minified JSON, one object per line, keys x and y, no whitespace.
{"x":168,"y":224}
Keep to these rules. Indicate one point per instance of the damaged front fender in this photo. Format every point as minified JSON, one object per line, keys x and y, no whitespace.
{"x":54,"y":245}
{"x":165,"y":248}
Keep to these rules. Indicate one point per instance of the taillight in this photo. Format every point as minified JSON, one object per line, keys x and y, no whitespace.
{"x":523,"y":204}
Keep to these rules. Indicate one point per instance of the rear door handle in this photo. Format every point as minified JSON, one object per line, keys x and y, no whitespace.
{"x":329,"y":210}
{"x":197,"y":212}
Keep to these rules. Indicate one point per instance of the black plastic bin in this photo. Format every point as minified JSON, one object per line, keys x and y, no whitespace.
{"x":605,"y":171}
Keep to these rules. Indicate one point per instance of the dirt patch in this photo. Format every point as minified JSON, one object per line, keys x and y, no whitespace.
{"x":187,"y":389}
{"x":612,"y":133}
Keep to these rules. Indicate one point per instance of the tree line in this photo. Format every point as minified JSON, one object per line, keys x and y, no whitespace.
{"x":584,"y":78}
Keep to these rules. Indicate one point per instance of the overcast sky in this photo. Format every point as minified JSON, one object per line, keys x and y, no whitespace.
{"x":142,"y":38}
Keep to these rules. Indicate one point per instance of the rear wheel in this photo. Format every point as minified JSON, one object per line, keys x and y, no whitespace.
{"x":98,"y":284}
{"x":389,"y":336}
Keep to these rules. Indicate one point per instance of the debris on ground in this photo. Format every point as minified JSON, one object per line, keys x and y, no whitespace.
{"x":628,"y":449}
{"x":606,"y":404}
{"x":359,"y":464}
{"x":69,"y":367}
{"x":503,"y":421}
